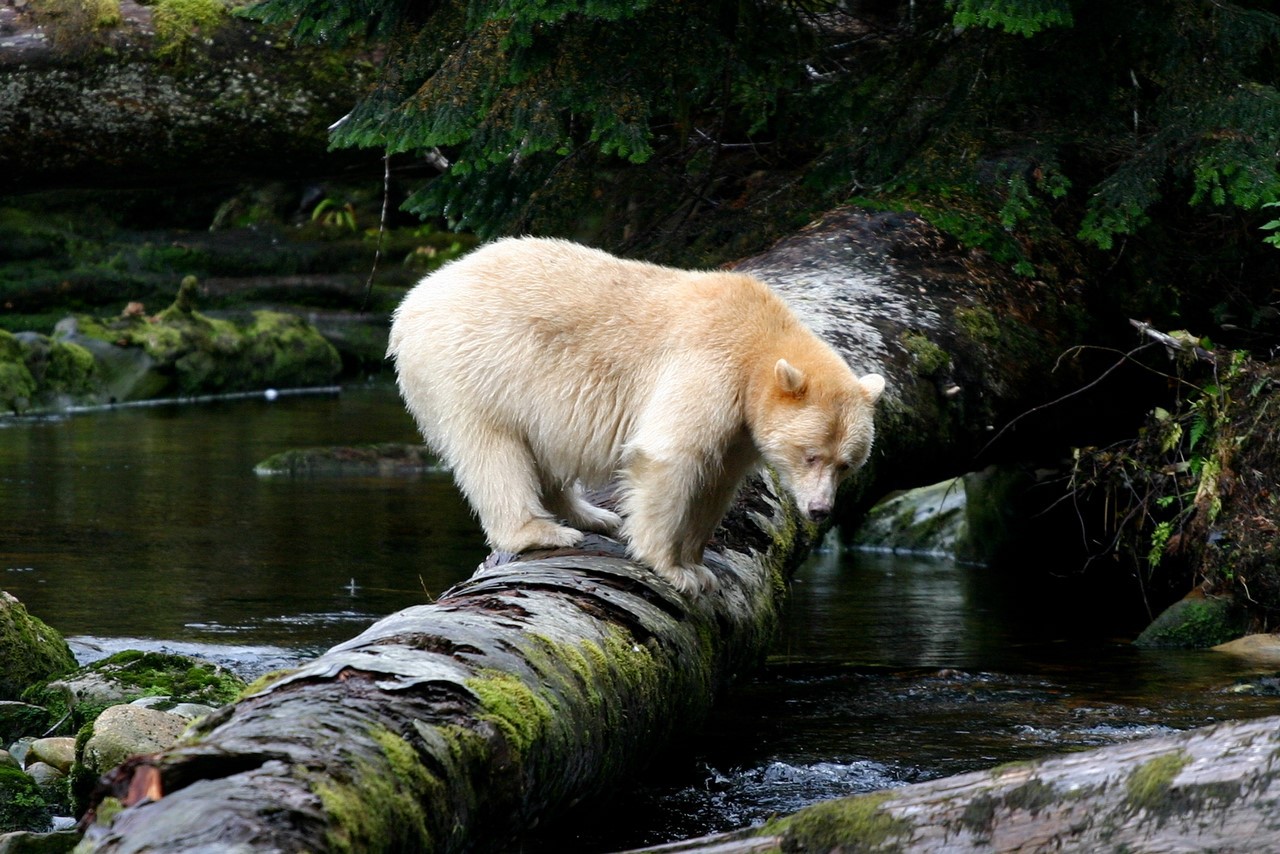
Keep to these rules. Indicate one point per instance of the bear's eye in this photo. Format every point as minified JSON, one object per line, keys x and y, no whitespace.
{"x":811,"y":458}
{"x":843,"y":466}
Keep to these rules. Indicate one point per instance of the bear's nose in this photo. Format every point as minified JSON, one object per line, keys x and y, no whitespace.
{"x":819,"y":511}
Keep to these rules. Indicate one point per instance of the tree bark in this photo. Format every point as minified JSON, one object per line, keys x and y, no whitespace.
{"x":459,"y":724}
{"x":1210,"y":789}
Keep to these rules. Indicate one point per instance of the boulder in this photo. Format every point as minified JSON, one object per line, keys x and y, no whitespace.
{"x":22,"y":804}
{"x":1196,"y":622}
{"x":128,"y":730}
{"x":29,"y":650}
{"x":58,"y":752}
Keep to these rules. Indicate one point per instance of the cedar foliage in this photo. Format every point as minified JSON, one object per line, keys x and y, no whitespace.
{"x":1032,"y":129}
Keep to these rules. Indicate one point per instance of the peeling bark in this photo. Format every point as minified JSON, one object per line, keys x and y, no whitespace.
{"x":537,"y":682}
{"x":1210,"y":789}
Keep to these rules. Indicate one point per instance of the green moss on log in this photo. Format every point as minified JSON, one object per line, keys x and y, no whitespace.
{"x":510,"y":705}
{"x":850,"y":824}
{"x":387,"y":803}
{"x":1147,"y":787}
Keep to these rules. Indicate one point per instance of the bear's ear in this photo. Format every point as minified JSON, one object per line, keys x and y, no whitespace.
{"x":791,"y":379}
{"x":873,"y":385}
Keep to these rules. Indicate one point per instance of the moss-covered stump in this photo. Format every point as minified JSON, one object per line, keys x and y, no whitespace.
{"x":383,"y":459}
{"x":30,"y":650}
{"x":183,"y":352}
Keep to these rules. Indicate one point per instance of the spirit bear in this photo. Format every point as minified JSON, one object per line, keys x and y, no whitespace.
{"x":536,"y":368}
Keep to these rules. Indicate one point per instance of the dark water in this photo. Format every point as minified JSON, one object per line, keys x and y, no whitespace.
{"x":150,"y":523}
{"x":148,"y":527}
{"x":892,"y":670}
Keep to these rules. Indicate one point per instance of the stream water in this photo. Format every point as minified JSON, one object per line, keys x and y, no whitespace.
{"x":147,"y":527}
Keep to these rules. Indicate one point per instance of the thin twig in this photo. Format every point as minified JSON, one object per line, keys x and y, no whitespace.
{"x":382,"y":228}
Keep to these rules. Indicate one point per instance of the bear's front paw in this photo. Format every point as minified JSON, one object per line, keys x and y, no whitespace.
{"x":539,"y":534}
{"x":691,"y":580}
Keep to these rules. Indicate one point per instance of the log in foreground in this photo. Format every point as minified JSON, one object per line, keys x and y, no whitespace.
{"x":459,"y":724}
{"x":1210,"y":789}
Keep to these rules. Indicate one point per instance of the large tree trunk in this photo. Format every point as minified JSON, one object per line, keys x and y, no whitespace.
{"x":1209,"y":789}
{"x":537,"y":682}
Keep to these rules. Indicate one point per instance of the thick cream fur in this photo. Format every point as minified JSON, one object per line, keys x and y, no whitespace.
{"x":538,"y":367}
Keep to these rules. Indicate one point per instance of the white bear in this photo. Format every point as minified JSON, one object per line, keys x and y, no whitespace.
{"x":536,"y":368}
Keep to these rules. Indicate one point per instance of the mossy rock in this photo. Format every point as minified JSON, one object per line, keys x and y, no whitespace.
{"x":1196,"y":622}
{"x":131,"y":675}
{"x":19,"y":719}
{"x":30,"y":650}
{"x":183,"y":352}
{"x":927,"y":520}
{"x":22,"y":805}
{"x":17,"y":386}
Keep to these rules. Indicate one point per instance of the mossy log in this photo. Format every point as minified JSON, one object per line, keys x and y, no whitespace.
{"x":1210,"y":789}
{"x":457,"y":725}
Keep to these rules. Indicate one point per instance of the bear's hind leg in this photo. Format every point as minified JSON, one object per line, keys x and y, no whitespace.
{"x":499,"y":478}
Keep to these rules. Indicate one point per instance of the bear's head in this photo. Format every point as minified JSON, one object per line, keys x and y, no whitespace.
{"x":815,"y":428}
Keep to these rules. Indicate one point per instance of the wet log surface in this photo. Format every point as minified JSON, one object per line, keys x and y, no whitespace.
{"x":1210,"y":789}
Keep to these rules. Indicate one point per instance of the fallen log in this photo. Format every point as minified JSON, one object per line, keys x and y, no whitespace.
{"x":1209,"y":789}
{"x":459,"y":724}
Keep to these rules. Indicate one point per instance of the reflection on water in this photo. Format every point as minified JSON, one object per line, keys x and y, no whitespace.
{"x":151,"y":523}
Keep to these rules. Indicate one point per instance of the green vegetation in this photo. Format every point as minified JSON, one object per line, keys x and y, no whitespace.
{"x":29,"y":648}
{"x":1147,"y":787}
{"x":180,"y":24}
{"x":22,"y":805}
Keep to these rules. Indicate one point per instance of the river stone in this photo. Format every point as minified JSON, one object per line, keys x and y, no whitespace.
{"x":1195,"y":622}
{"x":19,"y":719}
{"x":58,"y":752}
{"x":20,"y":748}
{"x":22,"y":804}
{"x":30,"y":650}
{"x":928,"y":520}
{"x":44,"y":774}
{"x":124,"y":731}
{"x":1259,"y":648}
{"x":8,"y":760}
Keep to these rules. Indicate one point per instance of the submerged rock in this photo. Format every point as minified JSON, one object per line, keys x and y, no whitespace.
{"x":29,"y":649}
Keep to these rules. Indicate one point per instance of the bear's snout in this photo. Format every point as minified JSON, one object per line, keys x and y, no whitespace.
{"x":818,"y":511}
